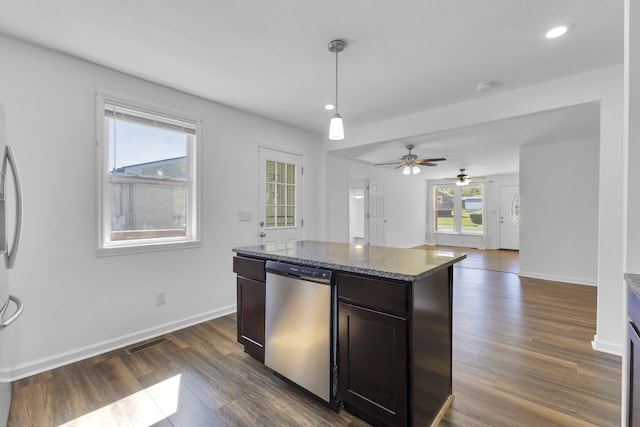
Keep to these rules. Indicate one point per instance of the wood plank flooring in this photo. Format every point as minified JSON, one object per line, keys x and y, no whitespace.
{"x":522,"y":357}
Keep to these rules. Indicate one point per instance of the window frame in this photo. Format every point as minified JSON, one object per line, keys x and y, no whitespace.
{"x":457,"y":209}
{"x":107,"y":247}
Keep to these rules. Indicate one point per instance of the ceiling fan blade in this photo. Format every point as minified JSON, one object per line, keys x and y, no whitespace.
{"x":427,"y":164}
{"x":400,"y":165}
{"x":389,"y":163}
{"x":426,"y":161}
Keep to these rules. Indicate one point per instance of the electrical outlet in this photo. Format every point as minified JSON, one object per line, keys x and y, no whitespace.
{"x":161,"y":297}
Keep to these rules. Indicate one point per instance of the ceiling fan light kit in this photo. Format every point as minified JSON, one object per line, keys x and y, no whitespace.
{"x":409,"y":163}
{"x":336,"y":128}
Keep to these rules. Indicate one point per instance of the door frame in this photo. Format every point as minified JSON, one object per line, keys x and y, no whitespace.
{"x":299,"y":189}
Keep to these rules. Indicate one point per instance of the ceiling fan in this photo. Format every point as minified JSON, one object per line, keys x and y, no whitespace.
{"x":462,"y":178}
{"x":411,"y":162}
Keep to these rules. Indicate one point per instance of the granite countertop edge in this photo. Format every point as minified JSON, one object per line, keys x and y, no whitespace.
{"x":349,"y":268}
{"x":633,"y":280}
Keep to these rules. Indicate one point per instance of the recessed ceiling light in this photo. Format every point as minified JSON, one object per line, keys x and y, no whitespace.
{"x":329,"y":107}
{"x":558,"y":31}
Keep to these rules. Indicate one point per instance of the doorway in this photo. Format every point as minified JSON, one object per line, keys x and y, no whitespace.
{"x":358,"y":211}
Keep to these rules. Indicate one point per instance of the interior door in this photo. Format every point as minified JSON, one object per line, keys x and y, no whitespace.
{"x":376,"y":214}
{"x":358,"y":211}
{"x":279,"y":196}
{"x":510,"y":217}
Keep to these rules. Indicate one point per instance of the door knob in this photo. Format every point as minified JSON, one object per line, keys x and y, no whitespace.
{"x":263,"y":234}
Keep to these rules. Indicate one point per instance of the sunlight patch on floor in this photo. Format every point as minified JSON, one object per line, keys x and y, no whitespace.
{"x":141,"y":409}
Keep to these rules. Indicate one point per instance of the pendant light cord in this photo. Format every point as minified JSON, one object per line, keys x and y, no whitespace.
{"x":337,"y":80}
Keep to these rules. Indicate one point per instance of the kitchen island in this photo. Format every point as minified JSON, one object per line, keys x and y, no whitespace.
{"x":392,"y":327}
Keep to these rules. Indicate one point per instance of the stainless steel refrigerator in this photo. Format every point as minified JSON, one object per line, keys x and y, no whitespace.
{"x":10,"y":306}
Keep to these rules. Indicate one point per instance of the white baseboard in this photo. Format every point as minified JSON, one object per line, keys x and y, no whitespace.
{"x":556,"y":278}
{"x":45,"y":364}
{"x":606,"y":346}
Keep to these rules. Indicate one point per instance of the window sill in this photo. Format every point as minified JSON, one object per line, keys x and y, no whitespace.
{"x":146,"y":248}
{"x":452,"y":233}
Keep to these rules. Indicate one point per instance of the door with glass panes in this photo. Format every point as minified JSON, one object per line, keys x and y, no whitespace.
{"x":279,"y":196}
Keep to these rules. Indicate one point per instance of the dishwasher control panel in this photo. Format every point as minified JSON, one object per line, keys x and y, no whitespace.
{"x":300,"y":271}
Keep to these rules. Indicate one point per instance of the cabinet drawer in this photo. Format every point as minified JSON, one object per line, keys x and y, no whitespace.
{"x":249,"y":267}
{"x":378,"y":294}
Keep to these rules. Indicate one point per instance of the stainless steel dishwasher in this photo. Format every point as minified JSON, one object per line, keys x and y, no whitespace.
{"x":300,"y":327}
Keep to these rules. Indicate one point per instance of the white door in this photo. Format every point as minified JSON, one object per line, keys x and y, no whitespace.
{"x":279,"y":196}
{"x":358,"y":211}
{"x":376,"y":214}
{"x":510,"y":217}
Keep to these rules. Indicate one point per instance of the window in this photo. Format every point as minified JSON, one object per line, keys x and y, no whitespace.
{"x":148,"y":187}
{"x":281,"y":190}
{"x":459,"y":209}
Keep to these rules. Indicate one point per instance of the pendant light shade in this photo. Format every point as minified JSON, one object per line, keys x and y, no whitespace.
{"x":336,"y":129}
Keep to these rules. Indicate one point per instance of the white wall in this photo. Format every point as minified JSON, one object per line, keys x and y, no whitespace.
{"x":632,"y":113}
{"x":491,"y":196}
{"x":559,"y":211}
{"x":405,"y":208}
{"x":631,"y":256}
{"x":77,"y":304}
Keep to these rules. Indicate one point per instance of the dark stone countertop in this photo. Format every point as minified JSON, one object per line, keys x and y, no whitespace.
{"x":381,"y":261}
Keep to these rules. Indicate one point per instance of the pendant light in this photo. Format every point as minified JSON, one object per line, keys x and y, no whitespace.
{"x":336,"y":130}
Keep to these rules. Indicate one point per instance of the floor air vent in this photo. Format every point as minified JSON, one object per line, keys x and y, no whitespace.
{"x":141,"y":347}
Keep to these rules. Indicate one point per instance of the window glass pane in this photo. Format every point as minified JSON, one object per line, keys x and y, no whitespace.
{"x":471,"y":209}
{"x":290,"y":216}
{"x":515,"y":209}
{"x":271,"y":171}
{"x":142,"y":150}
{"x":271,"y":220}
{"x":143,"y":210}
{"x":280,"y":200}
{"x":291,"y":174}
{"x":281,"y":172}
{"x":291,"y":199}
{"x":271,"y":194}
{"x":280,"y":221}
{"x":444,"y":209}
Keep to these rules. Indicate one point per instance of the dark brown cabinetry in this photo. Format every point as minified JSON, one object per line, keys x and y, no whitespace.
{"x":633,"y":359}
{"x":394,"y":345}
{"x":251,"y":304}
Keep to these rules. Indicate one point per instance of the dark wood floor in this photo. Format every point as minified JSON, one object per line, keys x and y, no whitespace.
{"x":522,"y":357}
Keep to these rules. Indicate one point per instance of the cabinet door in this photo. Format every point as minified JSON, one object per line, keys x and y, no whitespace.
{"x":634,"y":377}
{"x":251,"y":303}
{"x":373,"y":365}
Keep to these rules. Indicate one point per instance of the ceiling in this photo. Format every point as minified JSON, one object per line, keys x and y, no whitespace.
{"x":271,"y":58}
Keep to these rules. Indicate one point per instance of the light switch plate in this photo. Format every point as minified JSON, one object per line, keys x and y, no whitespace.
{"x":245,"y":216}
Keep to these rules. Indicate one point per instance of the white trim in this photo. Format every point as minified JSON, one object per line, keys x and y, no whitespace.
{"x":104,"y":247}
{"x":607,"y":347}
{"x":146,"y":247}
{"x":557,"y":278}
{"x":45,"y":364}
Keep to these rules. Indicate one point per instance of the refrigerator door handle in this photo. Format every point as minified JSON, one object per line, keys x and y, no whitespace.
{"x":8,"y":157}
{"x":14,"y":316}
